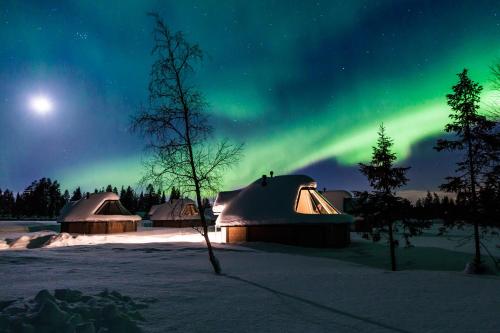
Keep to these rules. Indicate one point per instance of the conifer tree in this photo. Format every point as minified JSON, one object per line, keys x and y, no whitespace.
{"x":19,"y":206}
{"x":472,"y":134}
{"x":383,"y":207}
{"x":77,"y":194}
{"x":66,"y":196}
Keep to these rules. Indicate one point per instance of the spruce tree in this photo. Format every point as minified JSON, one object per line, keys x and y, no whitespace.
{"x":383,"y":207}
{"x":471,"y":133}
{"x":19,"y":206}
{"x":174,"y":194}
{"x":77,"y":194}
{"x":66,"y":197}
{"x":2,"y":209}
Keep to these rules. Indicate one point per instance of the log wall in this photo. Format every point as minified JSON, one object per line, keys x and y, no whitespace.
{"x":176,"y":223}
{"x":104,"y":227}
{"x":310,"y":235}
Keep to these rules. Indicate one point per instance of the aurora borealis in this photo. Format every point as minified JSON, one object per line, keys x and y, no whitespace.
{"x":304,"y":85}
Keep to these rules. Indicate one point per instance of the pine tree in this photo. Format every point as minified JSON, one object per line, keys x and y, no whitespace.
{"x":19,"y":206}
{"x":109,"y":188}
{"x":174,"y":194}
{"x":2,"y":211}
{"x":122,"y":194}
{"x":7,"y":203}
{"x":77,"y":194}
{"x":141,"y":204}
{"x":127,"y":198}
{"x":55,"y":199}
{"x":383,"y":205}
{"x":472,"y":133}
{"x":66,"y":197}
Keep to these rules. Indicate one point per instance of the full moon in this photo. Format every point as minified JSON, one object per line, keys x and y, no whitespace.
{"x":41,"y":104}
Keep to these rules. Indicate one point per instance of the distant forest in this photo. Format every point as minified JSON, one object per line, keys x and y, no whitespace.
{"x":44,"y":199}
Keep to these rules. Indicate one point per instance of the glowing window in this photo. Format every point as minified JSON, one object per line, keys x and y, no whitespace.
{"x":190,"y":210}
{"x":311,"y":202}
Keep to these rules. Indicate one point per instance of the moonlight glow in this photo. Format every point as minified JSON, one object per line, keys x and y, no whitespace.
{"x":41,"y":104}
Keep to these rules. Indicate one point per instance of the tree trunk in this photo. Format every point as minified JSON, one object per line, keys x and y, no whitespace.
{"x":392,"y":248}
{"x":213,"y":260}
{"x":211,"y":256}
{"x":474,"y":217}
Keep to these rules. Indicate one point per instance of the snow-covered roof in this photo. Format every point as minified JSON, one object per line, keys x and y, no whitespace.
{"x":178,"y":209}
{"x":223,"y":198}
{"x":153,"y":209}
{"x":276,"y":203}
{"x":84,"y":210}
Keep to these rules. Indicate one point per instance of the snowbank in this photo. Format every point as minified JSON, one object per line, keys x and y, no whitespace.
{"x":71,"y":311}
{"x":260,"y":291}
{"x":51,"y":239}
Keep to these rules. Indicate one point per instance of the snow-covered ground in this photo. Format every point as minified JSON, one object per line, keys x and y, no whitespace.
{"x":265,"y":287}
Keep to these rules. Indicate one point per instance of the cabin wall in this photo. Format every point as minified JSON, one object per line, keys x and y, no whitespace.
{"x":314,"y":235}
{"x":104,"y":227}
{"x":236,"y":234}
{"x":177,"y":223}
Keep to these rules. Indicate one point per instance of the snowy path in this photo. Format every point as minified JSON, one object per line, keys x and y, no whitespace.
{"x":260,"y":291}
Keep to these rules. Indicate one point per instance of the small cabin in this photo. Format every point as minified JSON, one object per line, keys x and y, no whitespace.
{"x":152,"y":210}
{"x":284,"y":209}
{"x":178,"y":213}
{"x":99,"y":213}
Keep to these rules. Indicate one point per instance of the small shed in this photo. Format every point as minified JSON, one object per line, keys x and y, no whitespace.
{"x":178,"y":213}
{"x":284,"y":209}
{"x":99,"y":213}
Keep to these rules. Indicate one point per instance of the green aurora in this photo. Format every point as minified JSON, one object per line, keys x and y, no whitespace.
{"x":297,"y":83}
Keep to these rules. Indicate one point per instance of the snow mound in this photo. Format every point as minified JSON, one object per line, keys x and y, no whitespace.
{"x":71,"y":311}
{"x":51,"y":239}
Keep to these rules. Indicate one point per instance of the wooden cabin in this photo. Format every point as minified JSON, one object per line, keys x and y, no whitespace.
{"x":287,"y":210}
{"x":100,"y":213}
{"x":178,"y":213}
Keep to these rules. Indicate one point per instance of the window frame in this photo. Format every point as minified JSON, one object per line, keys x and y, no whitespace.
{"x":312,"y":197}
{"x":122,"y":209}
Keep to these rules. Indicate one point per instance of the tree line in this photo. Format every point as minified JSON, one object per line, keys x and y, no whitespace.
{"x":43,"y":198}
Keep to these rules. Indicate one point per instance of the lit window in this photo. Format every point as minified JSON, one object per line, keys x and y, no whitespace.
{"x":311,"y":202}
{"x":190,"y":210}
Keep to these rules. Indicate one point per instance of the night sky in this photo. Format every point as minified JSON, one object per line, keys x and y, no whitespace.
{"x":304,"y":84}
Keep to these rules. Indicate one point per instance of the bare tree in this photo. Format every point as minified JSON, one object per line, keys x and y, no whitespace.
{"x":176,"y":125}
